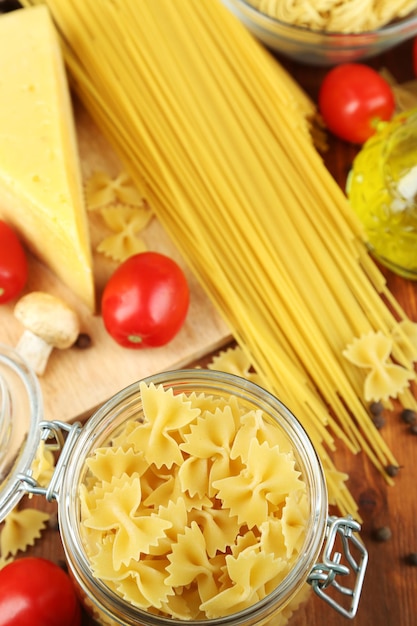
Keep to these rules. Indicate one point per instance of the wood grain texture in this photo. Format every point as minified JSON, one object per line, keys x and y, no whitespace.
{"x":390,"y":592}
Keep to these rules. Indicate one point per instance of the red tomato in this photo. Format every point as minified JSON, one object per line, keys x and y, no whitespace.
{"x":353,"y":98}
{"x":145,"y":301}
{"x":35,"y":591}
{"x":13,"y":264}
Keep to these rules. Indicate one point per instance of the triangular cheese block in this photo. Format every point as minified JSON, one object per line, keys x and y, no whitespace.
{"x":41,"y":191}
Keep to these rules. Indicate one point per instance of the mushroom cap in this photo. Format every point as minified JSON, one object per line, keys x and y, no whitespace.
{"x":48,"y":317}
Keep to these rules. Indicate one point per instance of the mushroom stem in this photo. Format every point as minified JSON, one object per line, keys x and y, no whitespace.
{"x":34,"y":350}
{"x":49,"y":323}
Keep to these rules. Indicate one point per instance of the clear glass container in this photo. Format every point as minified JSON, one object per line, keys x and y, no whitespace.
{"x":21,"y":411}
{"x":78,"y":442}
{"x":382,"y":190}
{"x":321,"y":48}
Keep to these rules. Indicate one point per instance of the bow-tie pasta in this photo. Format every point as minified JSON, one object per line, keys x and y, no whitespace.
{"x":195,"y":510}
{"x":385,"y":379}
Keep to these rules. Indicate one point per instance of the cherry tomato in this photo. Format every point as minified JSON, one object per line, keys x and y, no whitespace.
{"x":352,"y":99}
{"x":145,"y":302}
{"x":13,"y":264}
{"x":38,"y":592}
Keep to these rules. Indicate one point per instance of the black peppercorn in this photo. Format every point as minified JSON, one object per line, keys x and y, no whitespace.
{"x":378,"y":421}
{"x":411,"y":559}
{"x":376,"y":408}
{"x":392,"y":470}
{"x":409,"y":416}
{"x":83,"y":341}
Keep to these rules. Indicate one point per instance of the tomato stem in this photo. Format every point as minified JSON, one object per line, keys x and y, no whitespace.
{"x":377,"y":122}
{"x":135,"y":339}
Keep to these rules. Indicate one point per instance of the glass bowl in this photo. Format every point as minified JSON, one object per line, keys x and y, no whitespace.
{"x":318,"y":47}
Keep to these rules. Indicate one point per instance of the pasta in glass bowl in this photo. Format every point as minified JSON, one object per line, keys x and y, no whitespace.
{"x":345,"y":32}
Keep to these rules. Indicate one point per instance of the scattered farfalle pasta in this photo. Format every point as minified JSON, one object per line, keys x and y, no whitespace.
{"x":385,"y":379}
{"x":21,"y":528}
{"x":234,"y":361}
{"x":124,"y":211}
{"x":102,"y":189}
{"x":196,"y":509}
{"x":43,"y":465}
{"x":126,"y":223}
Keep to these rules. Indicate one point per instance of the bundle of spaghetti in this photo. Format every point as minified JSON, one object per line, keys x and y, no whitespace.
{"x":346,"y":16}
{"x":218,"y":142}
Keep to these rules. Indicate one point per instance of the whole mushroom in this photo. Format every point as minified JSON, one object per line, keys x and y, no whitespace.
{"x":49,"y":323}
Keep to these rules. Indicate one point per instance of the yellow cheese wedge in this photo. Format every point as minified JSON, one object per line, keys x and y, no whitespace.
{"x":41,"y":191}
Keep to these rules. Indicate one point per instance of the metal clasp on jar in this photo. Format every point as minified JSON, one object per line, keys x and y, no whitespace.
{"x":53,"y":430}
{"x":323,"y":575}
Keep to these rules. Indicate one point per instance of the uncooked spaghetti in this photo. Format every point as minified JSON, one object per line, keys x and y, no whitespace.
{"x":215,"y":136}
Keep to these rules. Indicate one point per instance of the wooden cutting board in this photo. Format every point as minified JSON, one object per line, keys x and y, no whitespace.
{"x":76,"y":381}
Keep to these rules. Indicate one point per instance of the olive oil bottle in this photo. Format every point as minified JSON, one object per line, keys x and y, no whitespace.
{"x":382,"y":189}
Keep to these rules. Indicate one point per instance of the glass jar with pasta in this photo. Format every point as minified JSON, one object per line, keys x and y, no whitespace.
{"x":196,"y":496}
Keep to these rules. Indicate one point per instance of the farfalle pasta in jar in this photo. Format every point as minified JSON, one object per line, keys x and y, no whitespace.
{"x":196,"y":496}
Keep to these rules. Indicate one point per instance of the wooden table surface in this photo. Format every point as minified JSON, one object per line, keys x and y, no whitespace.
{"x":389,"y":595}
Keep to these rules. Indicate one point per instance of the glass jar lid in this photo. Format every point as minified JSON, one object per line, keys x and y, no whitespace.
{"x":21,"y":410}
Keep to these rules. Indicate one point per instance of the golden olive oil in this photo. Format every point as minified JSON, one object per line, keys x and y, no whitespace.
{"x":382,"y":189}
